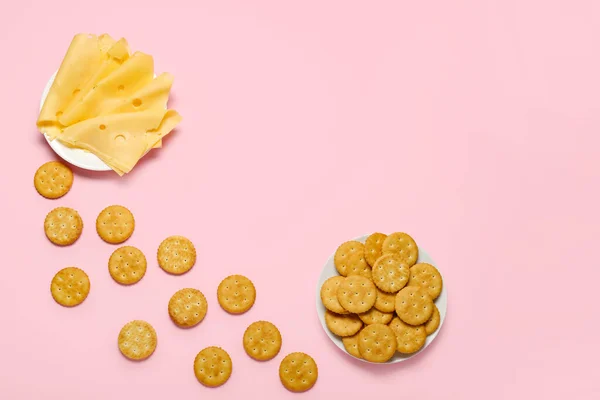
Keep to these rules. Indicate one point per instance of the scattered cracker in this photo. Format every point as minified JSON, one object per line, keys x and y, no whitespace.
{"x":377,"y":343}
{"x":329,"y":294}
{"x":428,"y":277}
{"x":70,"y":286}
{"x":115,"y":224}
{"x":351,"y":345}
{"x":385,"y":302}
{"x":187,"y":307}
{"x":391,"y":273}
{"x":357,"y":294}
{"x":63,"y":226}
{"x":127,"y":265}
{"x":212,"y":366}
{"x":176,"y":255}
{"x":53,"y":180}
{"x":298,"y":372}
{"x":262,"y":340}
{"x":374,"y":316}
{"x":373,"y":247}
{"x":349,"y":259}
{"x":342,"y":325}
{"x":402,"y":244}
{"x":410,"y":338}
{"x":414,"y":305}
{"x":236,"y":294}
{"x":434,"y":322}
{"x":137,"y":340}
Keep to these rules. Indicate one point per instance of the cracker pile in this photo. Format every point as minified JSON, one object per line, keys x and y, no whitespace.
{"x":187,"y":308}
{"x":383,"y":301}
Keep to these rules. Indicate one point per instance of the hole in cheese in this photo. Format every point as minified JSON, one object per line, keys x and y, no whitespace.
{"x":102,"y":127}
{"x":121,"y":88}
{"x":137,"y":102}
{"x":120,"y":139}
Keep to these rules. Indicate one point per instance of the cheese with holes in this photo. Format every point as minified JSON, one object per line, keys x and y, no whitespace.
{"x":121,"y":140}
{"x":135,"y":73}
{"x":82,"y":60}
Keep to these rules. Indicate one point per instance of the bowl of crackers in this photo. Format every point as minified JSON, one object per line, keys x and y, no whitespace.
{"x":381,"y":298}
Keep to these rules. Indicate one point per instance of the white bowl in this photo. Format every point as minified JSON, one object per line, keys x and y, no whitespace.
{"x":329,"y":271}
{"x":78,"y":157}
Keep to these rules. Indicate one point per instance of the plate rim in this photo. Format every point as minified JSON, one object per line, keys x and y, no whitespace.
{"x":337,"y":341}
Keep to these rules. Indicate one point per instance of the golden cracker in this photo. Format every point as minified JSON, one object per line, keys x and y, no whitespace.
{"x":127,"y":265}
{"x":137,"y":340}
{"x":428,"y":277}
{"x":390,"y":273}
{"x":212,"y":366}
{"x":349,"y":259}
{"x":53,"y":180}
{"x":351,"y":345}
{"x":342,"y":325}
{"x":373,"y":247}
{"x":414,"y":305}
{"x":401,"y":243}
{"x":115,"y":224}
{"x":357,"y":294}
{"x":70,"y":286}
{"x":63,"y":226}
{"x":176,"y":255}
{"x":410,"y":338}
{"x":298,"y":372}
{"x":434,"y":322}
{"x":262,"y":340}
{"x":377,"y":343}
{"x":329,"y":294}
{"x":236,"y":294}
{"x":374,"y":316}
{"x":385,"y":302}
{"x":187,"y":307}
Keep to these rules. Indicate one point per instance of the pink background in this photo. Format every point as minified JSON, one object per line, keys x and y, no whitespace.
{"x":473,"y":125}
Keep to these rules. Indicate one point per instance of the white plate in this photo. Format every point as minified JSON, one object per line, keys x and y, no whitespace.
{"x":329,"y":271}
{"x":78,"y":157}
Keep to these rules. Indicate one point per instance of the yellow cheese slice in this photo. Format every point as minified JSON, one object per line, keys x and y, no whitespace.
{"x":120,"y":140}
{"x":82,"y":60}
{"x":113,"y":58}
{"x":135,"y":72}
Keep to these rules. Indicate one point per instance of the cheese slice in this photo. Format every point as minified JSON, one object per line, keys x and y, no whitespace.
{"x":82,"y":60}
{"x":120,"y":140}
{"x":105,"y":42}
{"x":135,"y":72}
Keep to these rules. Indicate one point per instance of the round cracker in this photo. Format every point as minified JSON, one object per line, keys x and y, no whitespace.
{"x":374,"y":316}
{"x":127,"y":265}
{"x":187,"y":307}
{"x":428,"y":277}
{"x":137,"y":340}
{"x":329,"y":294}
{"x":414,"y":305}
{"x":391,"y":273}
{"x":70,"y":286}
{"x":63,"y":226}
{"x":410,"y":338}
{"x":377,"y":343}
{"x":401,"y":243}
{"x":385,"y":302}
{"x":236,"y":294}
{"x":357,"y":294}
{"x":351,"y":345}
{"x":53,"y":180}
{"x":176,"y":255}
{"x":342,"y":325}
{"x":298,"y":372}
{"x":373,"y":247}
{"x":212,"y":366}
{"x":434,"y":322}
{"x":349,"y":259}
{"x":262,"y":340}
{"x":115,"y":224}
